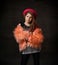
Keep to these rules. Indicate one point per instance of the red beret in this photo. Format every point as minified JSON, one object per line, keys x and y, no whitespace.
{"x":32,"y":11}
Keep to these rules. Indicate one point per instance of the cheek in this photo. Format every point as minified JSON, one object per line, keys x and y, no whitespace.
{"x":26,"y":18}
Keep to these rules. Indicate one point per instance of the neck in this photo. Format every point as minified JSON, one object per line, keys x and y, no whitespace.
{"x":27,"y":24}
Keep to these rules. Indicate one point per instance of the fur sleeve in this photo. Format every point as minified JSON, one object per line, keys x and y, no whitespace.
{"x":18,"y":31}
{"x":36,"y":38}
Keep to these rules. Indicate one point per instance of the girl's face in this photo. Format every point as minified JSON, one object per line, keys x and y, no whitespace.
{"x":28,"y":18}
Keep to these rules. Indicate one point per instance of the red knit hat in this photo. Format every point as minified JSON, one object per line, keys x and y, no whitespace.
{"x":32,"y":11}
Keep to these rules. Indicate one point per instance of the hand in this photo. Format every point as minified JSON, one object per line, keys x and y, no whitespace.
{"x":29,"y":44}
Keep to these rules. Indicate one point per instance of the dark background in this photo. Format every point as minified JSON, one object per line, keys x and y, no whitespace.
{"x":11,"y":15}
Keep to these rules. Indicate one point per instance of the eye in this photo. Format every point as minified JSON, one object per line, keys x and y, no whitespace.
{"x":27,"y":16}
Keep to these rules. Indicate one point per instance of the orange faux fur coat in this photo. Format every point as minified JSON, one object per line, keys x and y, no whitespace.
{"x":34,"y":38}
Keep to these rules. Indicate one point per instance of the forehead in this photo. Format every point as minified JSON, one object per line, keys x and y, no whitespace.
{"x":29,"y":14}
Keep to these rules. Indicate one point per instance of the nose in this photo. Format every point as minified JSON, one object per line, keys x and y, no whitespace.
{"x":28,"y":18}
